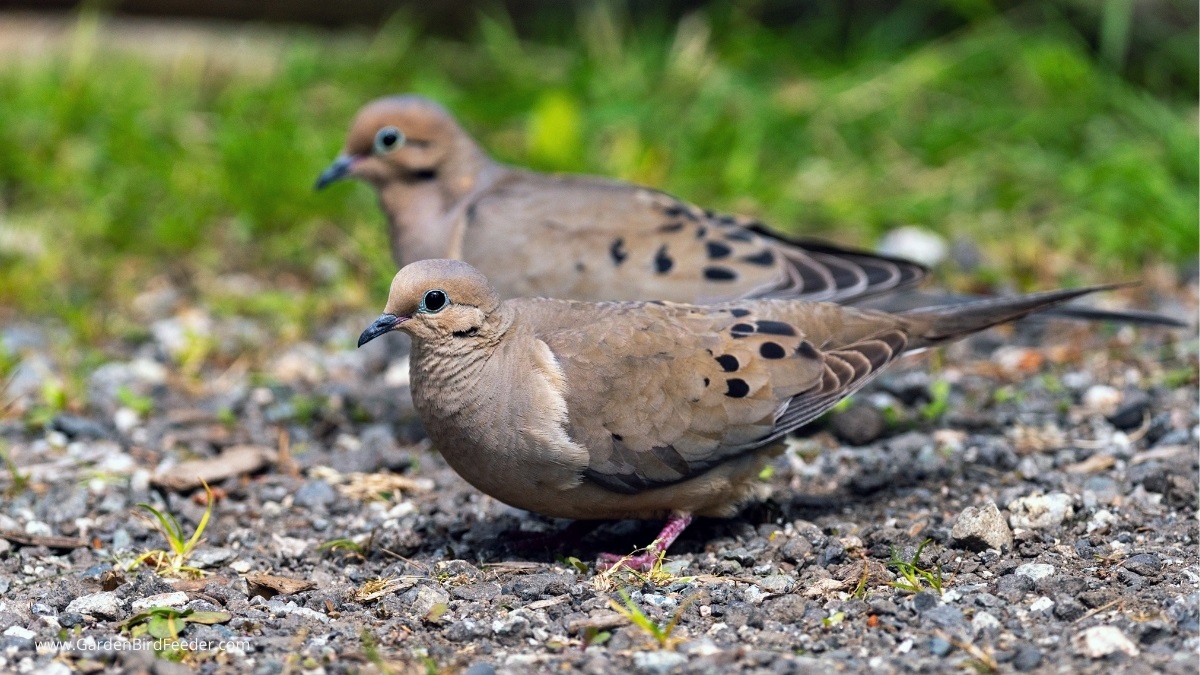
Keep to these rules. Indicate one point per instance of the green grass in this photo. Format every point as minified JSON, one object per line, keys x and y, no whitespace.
{"x":118,"y":167}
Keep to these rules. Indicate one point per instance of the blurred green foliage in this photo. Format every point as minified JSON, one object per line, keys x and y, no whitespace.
{"x":1013,"y":131}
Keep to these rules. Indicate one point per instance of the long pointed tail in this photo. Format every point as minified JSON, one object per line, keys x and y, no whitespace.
{"x":908,"y":300}
{"x":950,"y":322}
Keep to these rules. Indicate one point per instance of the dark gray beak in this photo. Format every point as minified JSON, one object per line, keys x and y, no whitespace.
{"x":336,"y":171}
{"x":386,"y":323}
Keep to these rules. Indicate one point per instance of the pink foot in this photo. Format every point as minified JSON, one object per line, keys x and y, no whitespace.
{"x":643,"y":562}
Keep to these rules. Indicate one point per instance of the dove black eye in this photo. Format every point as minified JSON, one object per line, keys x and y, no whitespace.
{"x":388,"y":139}
{"x":434,"y":301}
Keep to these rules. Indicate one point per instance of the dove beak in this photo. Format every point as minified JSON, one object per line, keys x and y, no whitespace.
{"x":336,"y":171}
{"x":386,"y":323}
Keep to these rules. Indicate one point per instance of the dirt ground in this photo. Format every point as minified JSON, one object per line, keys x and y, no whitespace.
{"x":995,"y":507}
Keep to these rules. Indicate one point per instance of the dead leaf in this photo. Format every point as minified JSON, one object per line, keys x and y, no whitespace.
{"x":269,"y":585}
{"x":234,"y":461}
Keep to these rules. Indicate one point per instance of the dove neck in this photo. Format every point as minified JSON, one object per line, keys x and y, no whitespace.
{"x":426,"y":217}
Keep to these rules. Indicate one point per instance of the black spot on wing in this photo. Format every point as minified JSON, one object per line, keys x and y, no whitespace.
{"x":766,"y":258}
{"x":618,"y":252}
{"x":719,"y":274}
{"x":729,"y":362}
{"x":737,"y":387}
{"x":807,"y":350}
{"x":739,"y":235}
{"x":738,"y":312}
{"x":775,"y":328}
{"x":701,"y":232}
{"x":772,"y":350}
{"x":717,"y":250}
{"x":740,"y":330}
{"x":670,"y":227}
{"x":663,"y":262}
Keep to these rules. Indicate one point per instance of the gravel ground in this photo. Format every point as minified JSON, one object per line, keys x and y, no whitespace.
{"x":1056,"y":488}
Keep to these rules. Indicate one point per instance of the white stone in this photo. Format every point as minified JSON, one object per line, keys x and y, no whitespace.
{"x":1037,"y":512}
{"x":19,"y":632}
{"x":1100,"y":641}
{"x":658,"y":661}
{"x":173,"y":599}
{"x":1035,"y":571}
{"x":126,"y":419}
{"x":1042,"y":604}
{"x":1102,"y":399}
{"x":1101,"y":520}
{"x":103,"y":605}
{"x":984,"y":623}
{"x":915,"y":243}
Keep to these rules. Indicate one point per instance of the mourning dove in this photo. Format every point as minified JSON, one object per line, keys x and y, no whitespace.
{"x":639,"y":409}
{"x":578,"y":237}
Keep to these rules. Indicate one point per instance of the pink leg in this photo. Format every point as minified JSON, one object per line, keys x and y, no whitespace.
{"x":675,"y":526}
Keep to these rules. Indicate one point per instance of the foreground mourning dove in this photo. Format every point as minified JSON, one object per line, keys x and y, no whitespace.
{"x":639,"y":409}
{"x":578,"y":237}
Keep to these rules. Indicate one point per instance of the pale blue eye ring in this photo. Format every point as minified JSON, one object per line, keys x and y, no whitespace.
{"x":388,"y":139}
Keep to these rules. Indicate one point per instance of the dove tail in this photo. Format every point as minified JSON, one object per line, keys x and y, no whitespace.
{"x":935,"y":325}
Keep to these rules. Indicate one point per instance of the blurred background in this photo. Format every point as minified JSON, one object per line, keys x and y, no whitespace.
{"x":161,"y":153}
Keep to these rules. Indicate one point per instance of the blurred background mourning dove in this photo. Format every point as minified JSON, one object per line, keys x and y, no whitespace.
{"x":588,"y":238}
{"x":578,"y":237}
{"x":639,"y":409}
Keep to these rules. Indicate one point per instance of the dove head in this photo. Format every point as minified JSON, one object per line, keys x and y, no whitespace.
{"x":403,"y":139}
{"x":435,"y":300}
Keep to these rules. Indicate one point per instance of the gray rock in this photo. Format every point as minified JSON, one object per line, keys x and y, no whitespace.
{"x":980,"y":528}
{"x":832,"y":554}
{"x":939,"y":646}
{"x":859,"y":424}
{"x":924,"y":601}
{"x":480,"y":669}
{"x":315,"y":493}
{"x":534,"y":586}
{"x":797,"y":550}
{"x":1145,"y":564}
{"x":777,"y":583}
{"x":1097,"y":598}
{"x":466,"y":630}
{"x":1013,"y":587}
{"x":103,"y":605}
{"x":514,"y":624}
{"x":477,"y":592}
{"x":1067,"y":608}
{"x":786,"y":609}
{"x":741,"y":555}
{"x":420,"y":599}
{"x":1131,"y":412}
{"x":1035,"y":571}
{"x":76,"y":427}
{"x":1027,"y":658}
{"x":946,"y":616}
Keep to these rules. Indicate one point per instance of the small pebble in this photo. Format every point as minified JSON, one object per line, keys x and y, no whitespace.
{"x":1100,"y":641}
{"x":1035,"y":571}
{"x":982,"y":527}
{"x":1040,"y":511}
